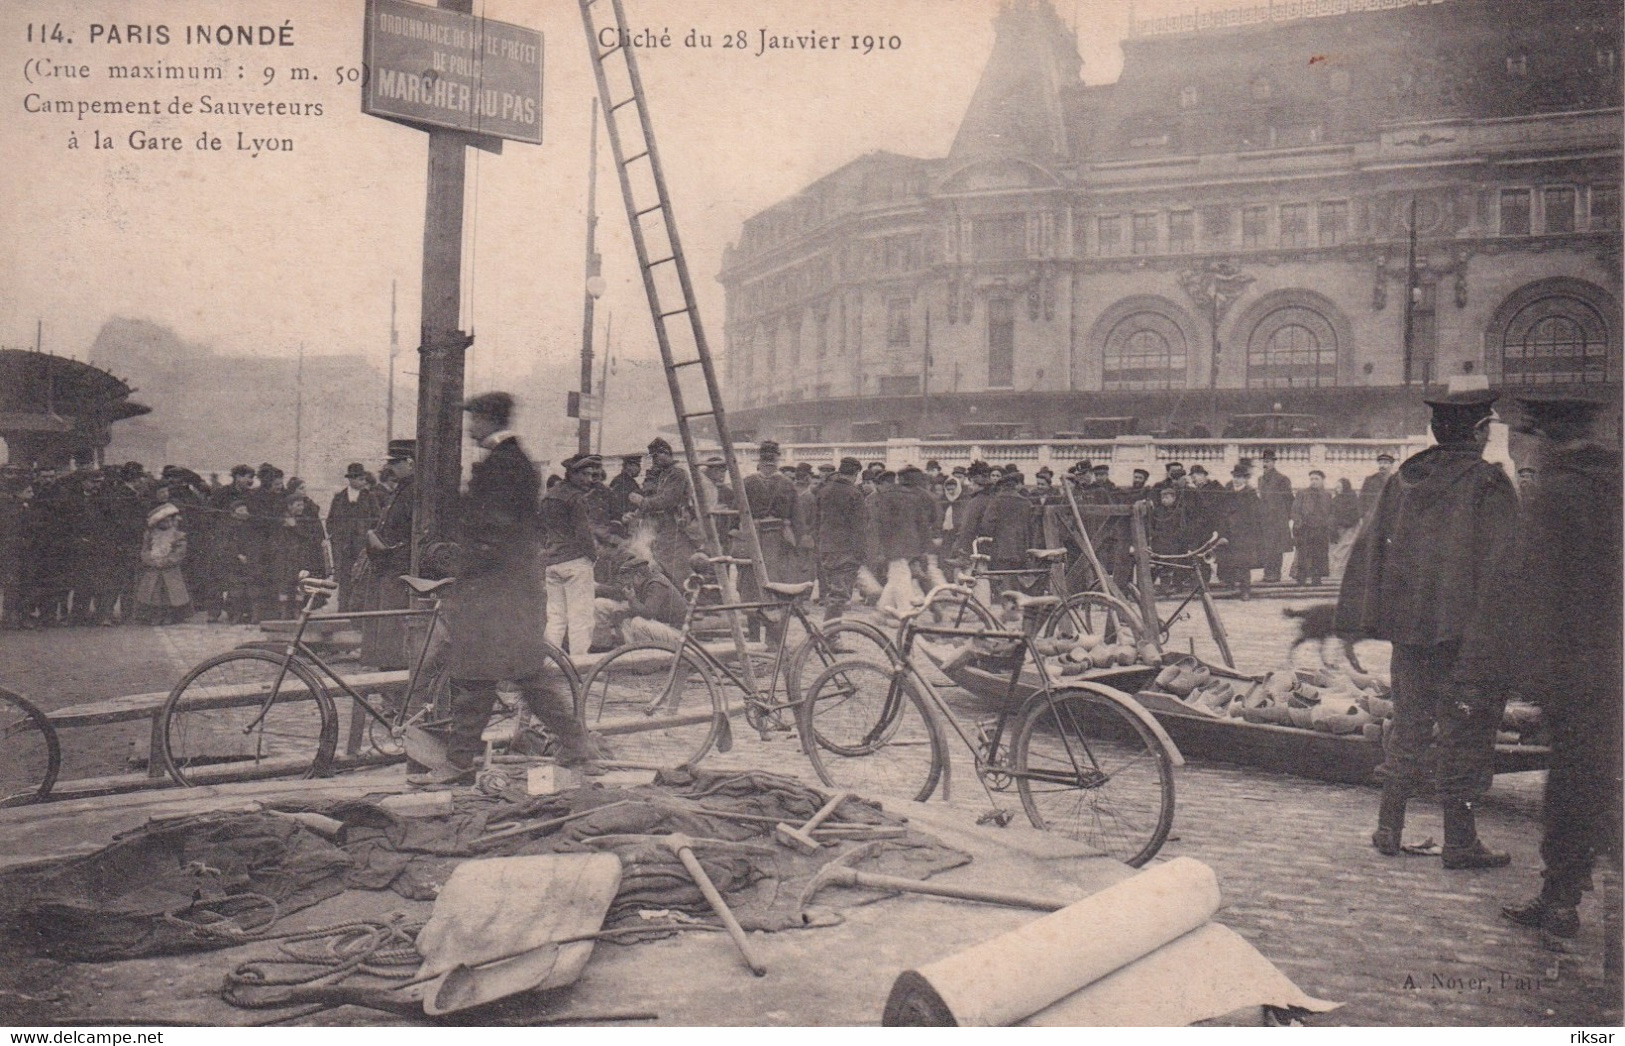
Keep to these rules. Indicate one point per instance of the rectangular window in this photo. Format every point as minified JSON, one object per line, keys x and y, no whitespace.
{"x":899,"y":384}
{"x":795,"y":339}
{"x":1000,"y":238}
{"x":1559,"y":206}
{"x":1255,"y":226}
{"x":1294,"y":225}
{"x":902,"y":253}
{"x":899,"y":311}
{"x":1216,"y":226}
{"x":1109,"y":234}
{"x":1145,"y":234}
{"x":822,"y":347}
{"x":1001,"y":342}
{"x":1605,"y":206}
{"x":1334,"y":222}
{"x":1514,"y":212}
{"x":1181,"y":232}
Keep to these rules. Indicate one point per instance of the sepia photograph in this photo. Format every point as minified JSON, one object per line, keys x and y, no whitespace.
{"x":630,"y":514}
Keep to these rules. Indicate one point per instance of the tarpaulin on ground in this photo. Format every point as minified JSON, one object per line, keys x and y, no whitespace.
{"x":149,"y":891}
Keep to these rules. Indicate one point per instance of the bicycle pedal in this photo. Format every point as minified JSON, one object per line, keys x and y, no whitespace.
{"x":1001,"y":818}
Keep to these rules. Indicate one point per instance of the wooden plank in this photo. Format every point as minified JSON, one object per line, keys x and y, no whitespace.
{"x":222,"y":793}
{"x":139,"y":706}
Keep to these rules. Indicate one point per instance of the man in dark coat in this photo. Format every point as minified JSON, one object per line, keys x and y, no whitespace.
{"x":1371,"y":486}
{"x":389,"y":555}
{"x":666,"y":503}
{"x":1312,"y":530}
{"x":772,"y":500}
{"x":1421,"y":575}
{"x":1237,"y":519}
{"x":1008,"y":520}
{"x":623,"y":486}
{"x":1275,"y":493}
{"x":350,"y":514}
{"x":496,"y":614}
{"x":1555,"y":638}
{"x":841,"y":526}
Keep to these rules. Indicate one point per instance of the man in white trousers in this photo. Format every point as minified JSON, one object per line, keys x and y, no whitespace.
{"x":568,"y":553}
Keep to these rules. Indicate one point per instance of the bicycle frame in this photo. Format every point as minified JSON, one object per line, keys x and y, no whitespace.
{"x":297,"y":647}
{"x":1189,"y":561}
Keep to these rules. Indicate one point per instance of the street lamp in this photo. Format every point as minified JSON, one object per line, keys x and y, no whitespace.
{"x":1214,"y":289}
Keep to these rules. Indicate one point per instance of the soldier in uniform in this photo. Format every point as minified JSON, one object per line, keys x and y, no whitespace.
{"x":496,"y":614}
{"x":1555,"y":638}
{"x":1421,"y":576}
{"x":666,"y":502}
{"x":772,"y":500}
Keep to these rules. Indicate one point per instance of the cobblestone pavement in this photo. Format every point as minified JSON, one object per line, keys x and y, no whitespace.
{"x":1400,"y":941}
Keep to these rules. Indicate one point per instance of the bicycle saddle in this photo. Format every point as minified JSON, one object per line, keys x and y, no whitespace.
{"x":1048,"y":555}
{"x":787,"y":590}
{"x":1023,"y":601}
{"x":423,"y":586}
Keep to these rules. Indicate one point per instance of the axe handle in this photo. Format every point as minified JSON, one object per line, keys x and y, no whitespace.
{"x":852,"y":877}
{"x":824,"y":812}
{"x":697,"y":872}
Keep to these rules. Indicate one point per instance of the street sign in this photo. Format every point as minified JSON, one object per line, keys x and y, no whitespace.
{"x":430,"y":67}
{"x":587,"y":405}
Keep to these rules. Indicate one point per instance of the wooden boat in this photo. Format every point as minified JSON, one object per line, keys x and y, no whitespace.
{"x":1345,"y":759}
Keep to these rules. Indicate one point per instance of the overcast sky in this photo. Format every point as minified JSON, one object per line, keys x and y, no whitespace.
{"x":258,"y":255}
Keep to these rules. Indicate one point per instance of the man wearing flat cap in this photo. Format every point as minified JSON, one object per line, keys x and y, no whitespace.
{"x":1555,"y":639}
{"x":623,"y":486}
{"x":1421,"y":575}
{"x":569,"y":550}
{"x":496,"y":614}
{"x":841,"y":524}
{"x":772,"y":500}
{"x":667,"y":504}
{"x":1371,"y":486}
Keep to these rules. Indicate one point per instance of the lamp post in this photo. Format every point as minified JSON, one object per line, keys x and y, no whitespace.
{"x":1214,"y":289}
{"x":594,"y":288}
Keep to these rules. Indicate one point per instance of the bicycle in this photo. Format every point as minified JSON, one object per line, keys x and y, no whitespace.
{"x":1085,"y":759}
{"x":1059,"y":614}
{"x":30,"y":754}
{"x":663,"y":699}
{"x":250,"y":714}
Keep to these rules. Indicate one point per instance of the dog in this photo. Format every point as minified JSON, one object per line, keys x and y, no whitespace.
{"x":1316,"y":624}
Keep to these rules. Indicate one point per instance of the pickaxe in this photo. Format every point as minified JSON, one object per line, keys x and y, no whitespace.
{"x":840,"y":872}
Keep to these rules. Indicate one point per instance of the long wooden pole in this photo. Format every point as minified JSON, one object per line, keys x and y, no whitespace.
{"x":593,"y":267}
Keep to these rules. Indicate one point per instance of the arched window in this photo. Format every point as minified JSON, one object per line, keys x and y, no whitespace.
{"x":1555,"y":340}
{"x":1292,"y":347}
{"x":1145,"y":350}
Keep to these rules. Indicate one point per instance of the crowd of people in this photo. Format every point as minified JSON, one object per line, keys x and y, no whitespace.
{"x":120,"y":545}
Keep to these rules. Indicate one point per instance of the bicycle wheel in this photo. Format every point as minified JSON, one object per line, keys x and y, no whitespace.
{"x":650,"y":714}
{"x":868,"y":729}
{"x":227,"y":720}
{"x":844,"y":639}
{"x":1092,"y":770}
{"x":1093,"y":613}
{"x":30,"y":756}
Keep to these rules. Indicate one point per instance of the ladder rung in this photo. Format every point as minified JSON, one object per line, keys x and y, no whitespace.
{"x":686,"y":363}
{"x":607,"y":52}
{"x":623,"y":102}
{"x":630,"y":160}
{"x":674,"y":312}
{"x":700,"y":414}
{"x":648,"y":210}
{"x":661,"y":261}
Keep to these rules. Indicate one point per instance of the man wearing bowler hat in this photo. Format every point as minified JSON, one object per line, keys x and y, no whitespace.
{"x":1556,"y":640}
{"x":352,"y":511}
{"x":1421,"y":575}
{"x":496,"y":614}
